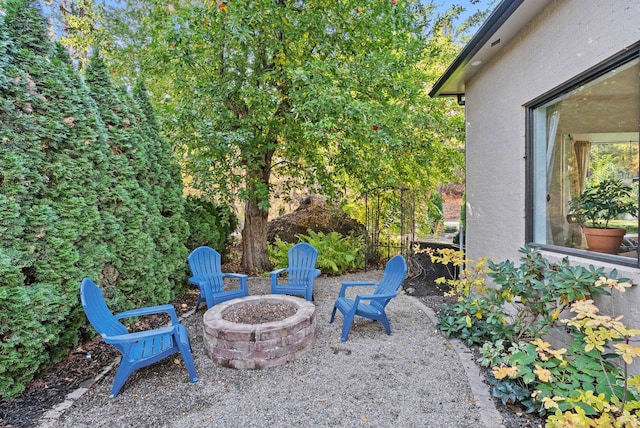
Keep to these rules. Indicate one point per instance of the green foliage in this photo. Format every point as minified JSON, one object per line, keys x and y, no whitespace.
{"x":165,"y":187}
{"x":385,"y":246}
{"x":510,"y":391}
{"x":87,"y":188}
{"x":134,"y":202}
{"x":429,"y":213}
{"x":435,"y":215}
{"x":527,"y":303}
{"x":313,"y":98}
{"x":581,"y":385}
{"x":597,"y":205}
{"x":244,"y":100}
{"x":21,"y":15}
{"x":337,"y":254}
{"x":611,"y":160}
{"x":540,"y":290}
{"x":495,"y":353}
{"x":83,"y":21}
{"x":210,"y":224}
{"x":475,"y":321}
{"x":278,"y":253}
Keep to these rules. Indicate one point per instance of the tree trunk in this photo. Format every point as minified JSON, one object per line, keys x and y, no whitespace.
{"x":254,"y":239}
{"x":255,"y":259}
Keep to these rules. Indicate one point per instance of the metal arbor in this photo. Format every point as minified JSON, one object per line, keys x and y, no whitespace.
{"x":390,"y":223}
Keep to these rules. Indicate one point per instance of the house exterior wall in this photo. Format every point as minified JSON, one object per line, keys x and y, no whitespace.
{"x":565,"y":39}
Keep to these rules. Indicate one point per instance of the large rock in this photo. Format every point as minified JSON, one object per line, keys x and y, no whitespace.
{"x":316,"y":214}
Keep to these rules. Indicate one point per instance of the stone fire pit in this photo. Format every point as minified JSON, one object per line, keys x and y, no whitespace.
{"x":259,"y":345}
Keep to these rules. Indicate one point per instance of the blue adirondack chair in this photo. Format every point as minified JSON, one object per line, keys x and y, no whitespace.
{"x":394,"y":273}
{"x":204,"y":263}
{"x":300,"y":273}
{"x":138,"y":349}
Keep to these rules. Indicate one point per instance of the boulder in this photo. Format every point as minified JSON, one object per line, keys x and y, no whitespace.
{"x":316,"y":214}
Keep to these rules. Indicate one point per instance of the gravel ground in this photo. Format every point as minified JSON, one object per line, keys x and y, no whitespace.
{"x":413,"y":378}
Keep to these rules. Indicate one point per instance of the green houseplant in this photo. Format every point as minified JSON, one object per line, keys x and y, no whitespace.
{"x":596,"y":206}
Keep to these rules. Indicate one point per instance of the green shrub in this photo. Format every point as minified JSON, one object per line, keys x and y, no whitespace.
{"x":527,"y":303}
{"x":579,"y":386}
{"x":210,"y":224}
{"x":87,"y":188}
{"x":475,"y":321}
{"x":433,"y":221}
{"x":337,"y":254}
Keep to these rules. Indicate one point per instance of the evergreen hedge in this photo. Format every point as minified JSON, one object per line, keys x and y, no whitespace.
{"x":88,"y":187}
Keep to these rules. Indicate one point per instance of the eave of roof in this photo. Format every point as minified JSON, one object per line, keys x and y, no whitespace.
{"x":504,"y":23}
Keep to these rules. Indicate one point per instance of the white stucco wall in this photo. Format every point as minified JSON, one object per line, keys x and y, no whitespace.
{"x":567,"y":38}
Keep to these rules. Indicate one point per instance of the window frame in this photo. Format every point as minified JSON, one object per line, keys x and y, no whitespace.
{"x":629,"y":54}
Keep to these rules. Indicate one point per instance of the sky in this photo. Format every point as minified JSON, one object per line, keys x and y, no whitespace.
{"x":470,"y":9}
{"x":442,"y":6}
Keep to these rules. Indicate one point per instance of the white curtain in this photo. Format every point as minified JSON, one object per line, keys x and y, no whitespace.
{"x":553,"y":118}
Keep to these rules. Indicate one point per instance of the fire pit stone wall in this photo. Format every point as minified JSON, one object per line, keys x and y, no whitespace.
{"x":259,"y":346}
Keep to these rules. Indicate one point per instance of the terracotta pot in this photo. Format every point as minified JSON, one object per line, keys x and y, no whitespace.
{"x":604,"y":240}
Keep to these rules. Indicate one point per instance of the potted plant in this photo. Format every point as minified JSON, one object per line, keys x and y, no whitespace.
{"x":596,"y":206}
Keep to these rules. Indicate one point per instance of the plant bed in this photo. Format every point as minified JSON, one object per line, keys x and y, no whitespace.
{"x":423,"y":273}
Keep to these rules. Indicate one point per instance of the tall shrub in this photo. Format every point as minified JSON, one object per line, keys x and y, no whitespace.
{"x":165,"y":181}
{"x":135,"y":268}
{"x":19,"y":185}
{"x":87,"y":188}
{"x":46,"y":141}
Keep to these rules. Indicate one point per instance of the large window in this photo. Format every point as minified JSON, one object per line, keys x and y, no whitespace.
{"x":580,"y":135}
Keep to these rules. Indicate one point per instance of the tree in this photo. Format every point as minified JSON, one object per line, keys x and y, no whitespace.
{"x":165,"y":183}
{"x":324,"y":94}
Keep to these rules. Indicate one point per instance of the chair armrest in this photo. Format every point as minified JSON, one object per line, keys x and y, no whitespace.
{"x":198,"y":280}
{"x":242,"y":277}
{"x":169,"y":309}
{"x":375,"y":296}
{"x":235,"y":275}
{"x":139,"y":335}
{"x":274,"y":276}
{"x":278,"y":271}
{"x":348,"y":284}
{"x":315,"y":273}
